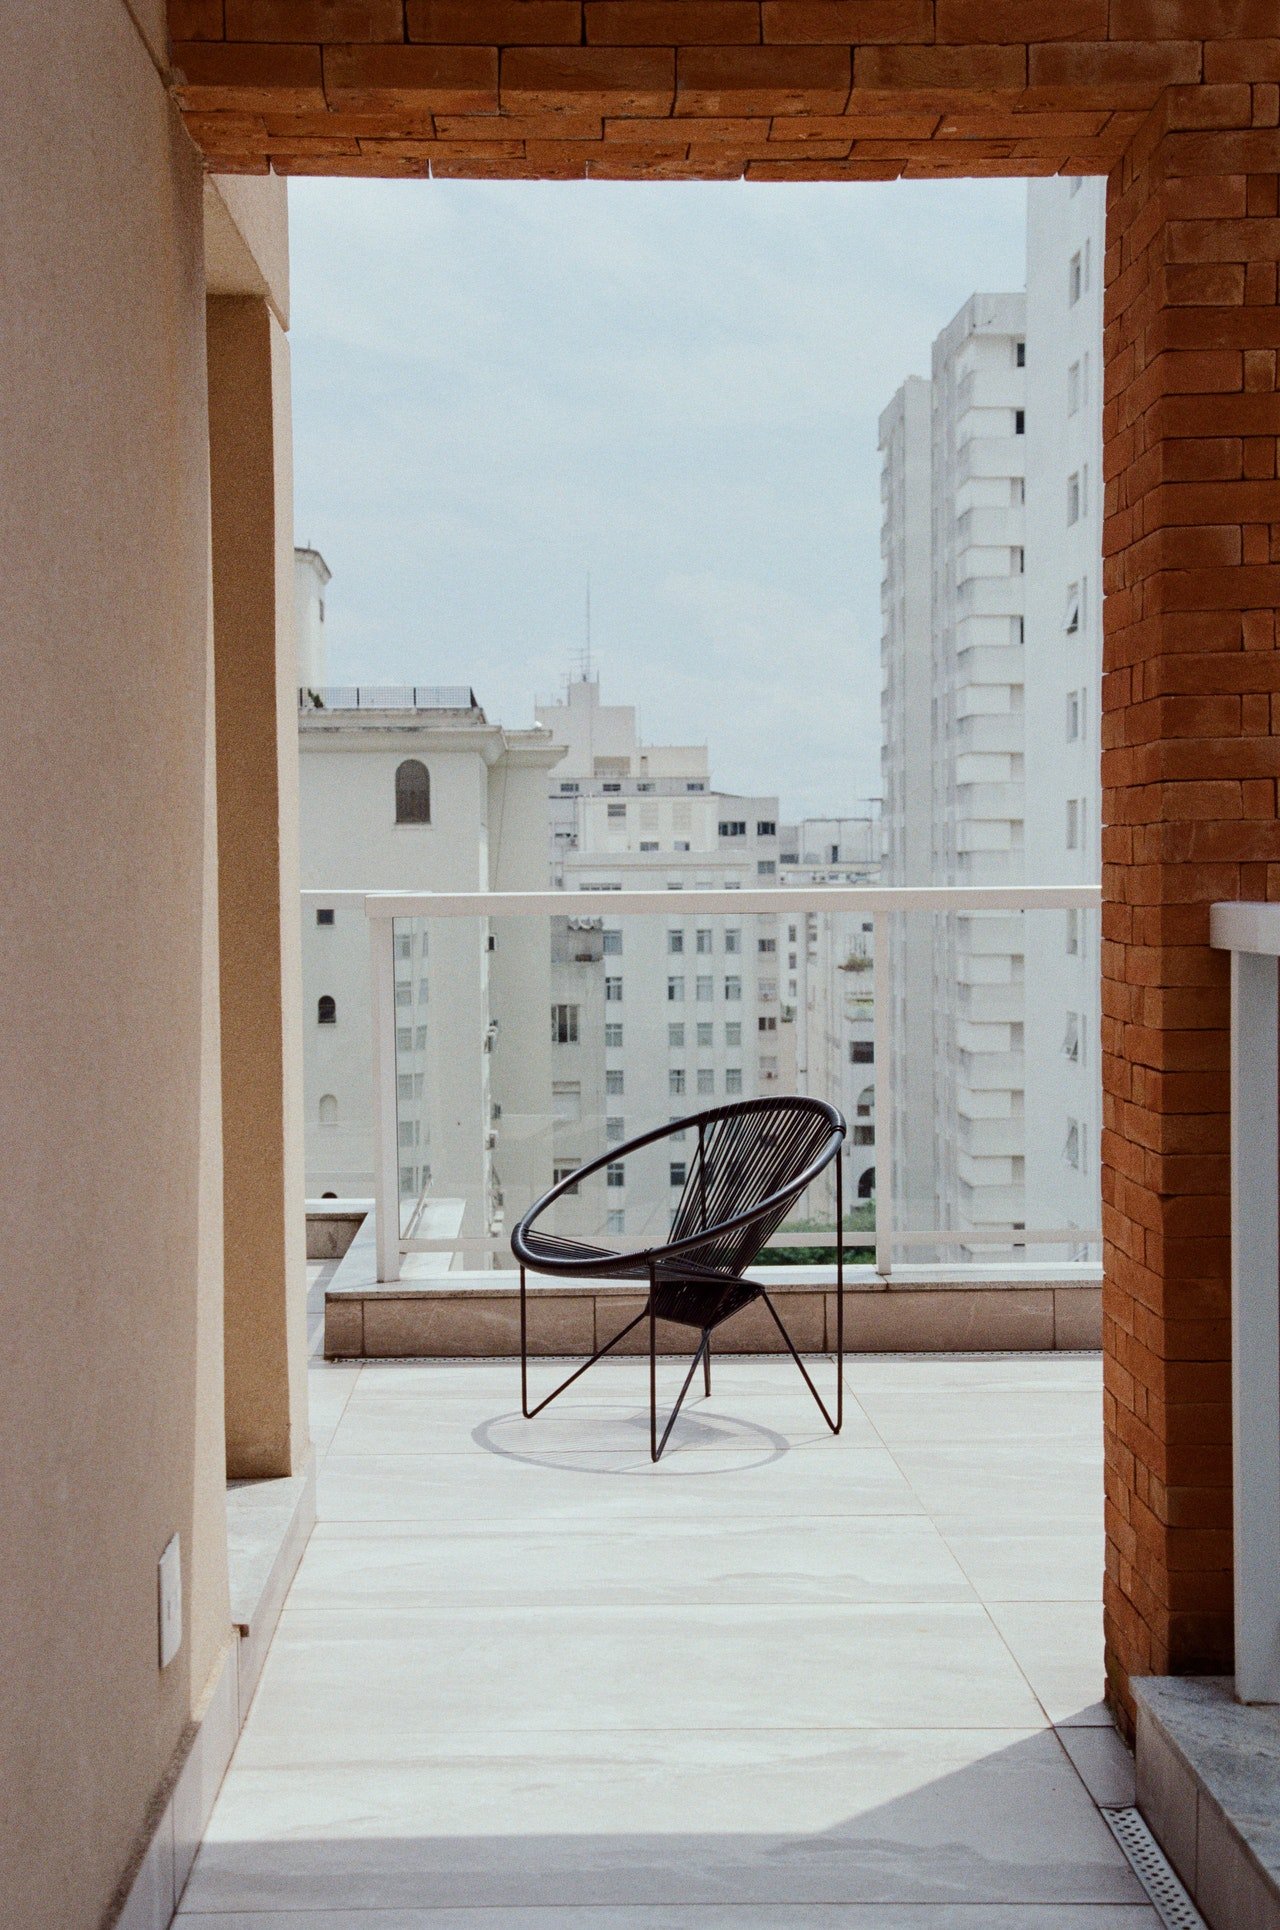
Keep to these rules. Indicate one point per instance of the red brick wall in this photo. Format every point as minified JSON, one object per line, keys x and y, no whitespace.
{"x":1191,"y":688}
{"x":843,"y":90}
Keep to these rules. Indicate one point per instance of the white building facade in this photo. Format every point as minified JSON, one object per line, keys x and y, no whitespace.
{"x":1065,"y":231}
{"x":401,"y":795}
{"x":990,"y":769}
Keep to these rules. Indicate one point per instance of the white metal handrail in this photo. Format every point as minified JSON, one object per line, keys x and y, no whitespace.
{"x":877,"y":902}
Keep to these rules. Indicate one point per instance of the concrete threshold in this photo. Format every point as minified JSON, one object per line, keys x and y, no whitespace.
{"x":1208,"y":1773}
{"x":434,"y":1314}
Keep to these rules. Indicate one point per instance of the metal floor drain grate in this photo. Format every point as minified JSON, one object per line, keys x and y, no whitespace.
{"x":1153,"y":1870}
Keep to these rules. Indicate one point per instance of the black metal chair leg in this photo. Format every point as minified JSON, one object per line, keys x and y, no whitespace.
{"x":706,"y":1365}
{"x":656,"y":1453}
{"x":654,"y":1449}
{"x":835,"y":1425}
{"x":577,"y":1373}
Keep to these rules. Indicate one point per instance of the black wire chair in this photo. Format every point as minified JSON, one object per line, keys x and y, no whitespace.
{"x":753,"y":1162}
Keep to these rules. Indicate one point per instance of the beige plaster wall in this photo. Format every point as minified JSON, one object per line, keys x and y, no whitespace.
{"x":251,"y":478}
{"x":110,"y":1211}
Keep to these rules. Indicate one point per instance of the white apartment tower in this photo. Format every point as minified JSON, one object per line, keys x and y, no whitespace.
{"x":689,"y":1010}
{"x":907,"y":756}
{"x":990,"y":764}
{"x":1065,"y":228}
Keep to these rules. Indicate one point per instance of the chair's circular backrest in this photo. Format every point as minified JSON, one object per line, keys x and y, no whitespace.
{"x":748,"y":1155}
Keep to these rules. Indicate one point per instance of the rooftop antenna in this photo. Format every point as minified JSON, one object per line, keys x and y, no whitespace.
{"x":586,"y":655}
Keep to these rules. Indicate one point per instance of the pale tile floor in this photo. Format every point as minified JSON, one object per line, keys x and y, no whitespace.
{"x":780,"y":1682}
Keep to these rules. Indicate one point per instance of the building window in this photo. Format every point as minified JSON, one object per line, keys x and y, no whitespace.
{"x":1019,"y":422}
{"x":705,"y":1032}
{"x":864,"y":1135}
{"x":733,"y":1079}
{"x":766,"y":1025}
{"x":1075,"y":280}
{"x":691,"y":786}
{"x":1075,"y":705}
{"x":652,"y":845}
{"x":1075,"y":935}
{"x":675,"y":1037}
{"x":408,"y":1180}
{"x":766,"y":828}
{"x":675,"y":941}
{"x":611,"y":942}
{"x":613,"y":991}
{"x":404,"y":1038}
{"x":616,"y":1173}
{"x":862,"y":1052}
{"x":1020,"y":355}
{"x":675,"y":991}
{"x":680,"y":1133}
{"x":1071,"y":1038}
{"x":1071,"y":616}
{"x":324,"y":915}
{"x":613,"y":1080}
{"x":1075,"y":823}
{"x":564,"y":1025}
{"x":1018,"y":561}
{"x":766,"y":868}
{"x":329,"y":1109}
{"x":733,"y":988}
{"x":733,"y":827}
{"x":733,"y":940}
{"x":613,"y":1035}
{"x":1073,"y":500}
{"x":617,"y":810}
{"x":327,"y":1011}
{"x":614,"y":1131}
{"x":866,"y":1103}
{"x":404,"y":995}
{"x":611,"y":787}
{"x":564,"y":1171}
{"x":1073,"y":389}
{"x":733,"y":1033}
{"x":408,"y":1132}
{"x":413,"y":792}
{"x":706,"y":1082}
{"x":404,"y":946}
{"x":566,"y":1100}
{"x":766,"y":945}
{"x":768,"y":1067}
{"x":703,"y":940}
{"x":705,"y":990}
{"x":675,"y":1081}
{"x":420,"y":1039}
{"x":677,"y":1172}
{"x":568,"y":790}
{"x":1072,"y":1151}
{"x":617,"y":1222}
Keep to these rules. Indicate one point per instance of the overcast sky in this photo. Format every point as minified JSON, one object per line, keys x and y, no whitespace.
{"x":500,"y":387}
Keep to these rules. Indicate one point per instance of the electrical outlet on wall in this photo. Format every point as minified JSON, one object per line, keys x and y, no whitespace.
{"x":170,"y":1602}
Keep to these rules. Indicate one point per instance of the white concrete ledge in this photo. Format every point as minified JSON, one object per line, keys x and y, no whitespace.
{"x":920,"y":1309}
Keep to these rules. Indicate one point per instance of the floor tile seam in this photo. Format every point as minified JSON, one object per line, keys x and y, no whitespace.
{"x":958,"y":1612}
{"x":835,"y":1602}
{"x":503,"y":1736}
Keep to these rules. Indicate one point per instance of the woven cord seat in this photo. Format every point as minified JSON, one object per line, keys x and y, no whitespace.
{"x":752,"y":1164}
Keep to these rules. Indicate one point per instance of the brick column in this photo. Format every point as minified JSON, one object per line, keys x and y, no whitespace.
{"x":1191,"y":674}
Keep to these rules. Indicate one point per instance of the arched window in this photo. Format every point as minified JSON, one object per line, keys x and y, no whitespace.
{"x":328,"y":1110}
{"x":327,"y":1011}
{"x":413,"y":793}
{"x":867,"y":1184}
{"x":867,"y":1103}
